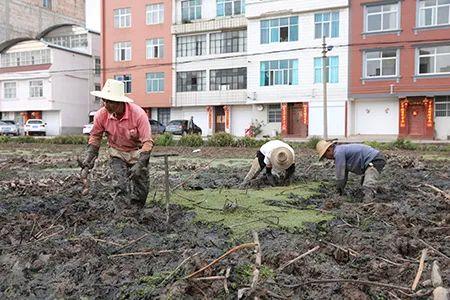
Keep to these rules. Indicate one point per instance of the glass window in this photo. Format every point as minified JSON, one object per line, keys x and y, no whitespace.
{"x":191,"y":45}
{"x":326,"y":24}
{"x":97,"y":65}
{"x":279,"y":30}
{"x":47,"y":4}
{"x":155,"y":82}
{"x":122,"y":51}
{"x":164,"y":116}
{"x":191,"y":10}
{"x":69,"y":41}
{"x":279,"y":72}
{"x":434,"y":60}
{"x":36,"y":89}
{"x":383,"y":17}
{"x":228,"y":79}
{"x":155,"y":14}
{"x":126,"y":82}
{"x":191,"y":81}
{"x":155,"y":48}
{"x":230,"y":7}
{"x":442,"y":106}
{"x":25,"y":58}
{"x":228,"y":42}
{"x":332,"y":65}
{"x":274,"y":113}
{"x":381,"y":63}
{"x":122,"y":17}
{"x":434,"y":12}
{"x":9,"y":90}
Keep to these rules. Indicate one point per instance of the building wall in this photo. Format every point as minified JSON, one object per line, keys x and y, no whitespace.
{"x":442,"y":128}
{"x":138,"y":33}
{"x":375,"y":116}
{"x":27,"y":18}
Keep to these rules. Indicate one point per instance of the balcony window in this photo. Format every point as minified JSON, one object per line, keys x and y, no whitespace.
{"x":191,"y":10}
{"x":434,"y":12}
{"x":326,"y":25}
{"x":434,"y":60}
{"x":191,"y":45}
{"x":279,"y":72}
{"x":381,"y":63}
{"x":228,"y":79}
{"x":279,"y":30}
{"x":379,"y":18}
{"x":228,"y":42}
{"x":25,"y":58}
{"x":230,"y":7}
{"x":191,"y":81}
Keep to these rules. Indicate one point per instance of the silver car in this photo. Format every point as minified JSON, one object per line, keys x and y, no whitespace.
{"x":8,"y":128}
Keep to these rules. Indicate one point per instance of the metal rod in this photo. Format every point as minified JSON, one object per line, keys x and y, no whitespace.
{"x":324,"y":82}
{"x":166,"y":185}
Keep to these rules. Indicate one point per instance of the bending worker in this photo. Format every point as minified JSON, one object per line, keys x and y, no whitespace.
{"x":273,"y":155}
{"x":356,"y":158}
{"x":130,"y":143}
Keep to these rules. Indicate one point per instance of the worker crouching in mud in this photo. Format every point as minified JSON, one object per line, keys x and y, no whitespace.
{"x":275,"y":155}
{"x":130,"y":144}
{"x":356,"y":158}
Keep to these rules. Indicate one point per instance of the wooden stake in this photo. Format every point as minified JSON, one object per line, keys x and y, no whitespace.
{"x":420,"y":270}
{"x":257,"y":265}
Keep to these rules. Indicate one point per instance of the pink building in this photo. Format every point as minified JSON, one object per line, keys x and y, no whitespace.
{"x":137,"y":49}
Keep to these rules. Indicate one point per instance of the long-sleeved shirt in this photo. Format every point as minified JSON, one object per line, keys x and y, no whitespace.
{"x":353,"y":158}
{"x":268,"y":147}
{"x":132,"y":132}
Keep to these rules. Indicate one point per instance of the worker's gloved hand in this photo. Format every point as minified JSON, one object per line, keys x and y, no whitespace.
{"x":140,"y":168}
{"x":88,"y":160}
{"x":341,"y":187}
{"x":270,"y":179}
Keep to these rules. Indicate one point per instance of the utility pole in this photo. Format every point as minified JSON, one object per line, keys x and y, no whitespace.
{"x":324,"y":82}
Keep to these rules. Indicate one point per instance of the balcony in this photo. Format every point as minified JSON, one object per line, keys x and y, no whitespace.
{"x":210,"y":25}
{"x":206,"y":98}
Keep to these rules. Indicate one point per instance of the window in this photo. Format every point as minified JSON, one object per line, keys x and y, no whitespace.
{"x":122,"y":17}
{"x":191,"y":45}
{"x":279,"y":30}
{"x":381,"y":63}
{"x":191,"y":10}
{"x":97,"y":65}
{"x":164,"y":116}
{"x":155,"y":48}
{"x":97,"y":87}
{"x":442,"y":106}
{"x":191,"y":81}
{"x":228,"y":42}
{"x":47,"y":4}
{"x":228,"y":79}
{"x":326,"y":25}
{"x":9,"y":90}
{"x":332,"y":66}
{"x":274,"y":113}
{"x":126,"y":82}
{"x":69,"y":41}
{"x":155,"y":82}
{"x":279,"y":72}
{"x":380,"y":18}
{"x":230,"y":7}
{"x":36,"y":89}
{"x":434,"y":12}
{"x":434,"y":60}
{"x":25,"y":58}
{"x":155,"y":14}
{"x":122,"y":51}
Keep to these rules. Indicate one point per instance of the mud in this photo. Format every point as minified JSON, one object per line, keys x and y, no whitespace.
{"x":55,"y":243}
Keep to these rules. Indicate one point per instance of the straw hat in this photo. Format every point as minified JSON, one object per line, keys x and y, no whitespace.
{"x":113,"y":90}
{"x":281,"y":158}
{"x":322,"y":147}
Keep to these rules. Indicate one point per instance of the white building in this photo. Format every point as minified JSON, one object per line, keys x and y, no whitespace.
{"x":285,"y":64}
{"x":210,"y":65}
{"x":51,"y":78}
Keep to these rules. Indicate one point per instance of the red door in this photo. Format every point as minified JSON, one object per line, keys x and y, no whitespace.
{"x":416,"y":120}
{"x":296,"y":124}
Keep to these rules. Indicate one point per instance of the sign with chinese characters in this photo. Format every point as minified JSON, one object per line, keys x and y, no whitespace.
{"x":227,"y":110}
{"x":284,"y":118}
{"x":305,"y":113}
{"x":210,"y":111}
{"x":403,"y":109}
{"x":428,"y":103}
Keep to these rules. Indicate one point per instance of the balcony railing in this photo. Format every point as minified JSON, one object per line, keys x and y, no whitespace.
{"x":206,"y":98}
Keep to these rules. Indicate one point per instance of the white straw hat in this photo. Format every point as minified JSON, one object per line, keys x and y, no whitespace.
{"x":322,"y":147}
{"x":113,"y":90}
{"x":281,"y":158}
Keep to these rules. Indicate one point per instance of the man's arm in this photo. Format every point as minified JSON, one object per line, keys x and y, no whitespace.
{"x":341,"y":171}
{"x":95,"y":137}
{"x":145,"y":133}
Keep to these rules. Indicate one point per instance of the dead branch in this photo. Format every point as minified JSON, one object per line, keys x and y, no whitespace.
{"x":141,"y":253}
{"x":209,"y":278}
{"x":434,"y":249}
{"x":130,"y":244}
{"x":225,"y":281}
{"x":177,"y":268}
{"x":350,"y":251}
{"x":105,"y":241}
{"x":257,"y":265}
{"x":447,"y":196}
{"x":352,"y":281}
{"x":420,"y":270}
{"x":232,"y":250}
{"x":298,"y":258}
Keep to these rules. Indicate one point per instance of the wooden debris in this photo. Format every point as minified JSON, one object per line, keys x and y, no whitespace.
{"x":298,"y":258}
{"x":446,"y":196}
{"x":434,"y":249}
{"x":257,"y":265}
{"x":177,"y":268}
{"x":420,"y":270}
{"x":130,"y":243}
{"x":153,"y":252}
{"x":436,"y":278}
{"x":352,"y":281}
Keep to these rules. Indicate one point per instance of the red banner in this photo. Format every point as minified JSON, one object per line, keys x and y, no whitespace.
{"x":284,"y":118}
{"x":403,"y":109}
{"x":210,"y":110}
{"x":429,"y":109}
{"x":227,"y":110}
{"x":305,"y":113}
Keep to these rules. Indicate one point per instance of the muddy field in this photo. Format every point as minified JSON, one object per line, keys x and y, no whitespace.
{"x":56,"y":243}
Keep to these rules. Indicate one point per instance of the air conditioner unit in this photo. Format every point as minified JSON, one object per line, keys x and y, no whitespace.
{"x":224,"y":87}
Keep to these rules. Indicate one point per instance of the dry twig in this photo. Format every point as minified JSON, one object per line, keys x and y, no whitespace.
{"x":298,"y":258}
{"x":420,"y":270}
{"x":141,"y":253}
{"x":434,"y":249}
{"x":177,"y":268}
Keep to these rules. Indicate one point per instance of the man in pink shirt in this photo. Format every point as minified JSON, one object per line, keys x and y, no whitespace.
{"x":130,"y":143}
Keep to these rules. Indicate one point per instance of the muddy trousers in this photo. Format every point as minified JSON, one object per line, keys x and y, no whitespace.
{"x":372,"y":173}
{"x":130,"y":190}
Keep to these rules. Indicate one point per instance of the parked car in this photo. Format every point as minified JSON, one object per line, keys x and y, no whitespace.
{"x":157,"y":128}
{"x":87,"y":128}
{"x":35,"y":126}
{"x":8,"y":127}
{"x":180,"y":127}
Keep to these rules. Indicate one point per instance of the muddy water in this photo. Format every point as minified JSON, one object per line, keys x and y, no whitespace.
{"x":54,"y":243}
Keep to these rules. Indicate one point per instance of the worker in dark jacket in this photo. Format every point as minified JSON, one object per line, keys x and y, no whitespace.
{"x":356,"y":158}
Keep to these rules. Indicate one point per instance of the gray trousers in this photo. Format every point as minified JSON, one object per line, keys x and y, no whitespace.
{"x":130,"y":190}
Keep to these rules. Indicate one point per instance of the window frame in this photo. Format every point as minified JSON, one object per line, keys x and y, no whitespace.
{"x":185,"y":45}
{"x":183,"y":79}
{"x":330,"y":24}
{"x":435,"y":14}
{"x":274,"y":113}
{"x":127,"y":80}
{"x":279,"y":71}
{"x":397,"y":63}
{"x":332,"y":69}
{"x":122,"y":46}
{"x":163,"y":115}
{"x":382,"y":13}
{"x":222,"y":42}
{"x":192,"y":6}
{"x":122,"y":17}
{"x":12,"y":95}
{"x":154,"y":11}
{"x":266,"y":32}
{"x":33,"y":88}
{"x":221,"y":5}
{"x":47,"y":4}
{"x":156,"y":46}
{"x":434,"y":56}
{"x":222,"y":77}
{"x":155,"y":77}
{"x":445,"y":102}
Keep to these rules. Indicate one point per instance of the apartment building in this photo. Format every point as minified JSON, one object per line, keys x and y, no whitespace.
{"x":210,"y":65}
{"x":285,"y":65}
{"x":28,"y":18}
{"x":400,"y":68}
{"x":137,"y":49}
{"x":51,"y":78}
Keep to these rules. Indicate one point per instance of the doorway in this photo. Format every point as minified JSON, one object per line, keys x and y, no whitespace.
{"x":219,"y":117}
{"x":297,"y":126}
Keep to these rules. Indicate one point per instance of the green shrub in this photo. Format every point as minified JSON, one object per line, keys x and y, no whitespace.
{"x":165,"y":139}
{"x":247,"y":142}
{"x":404,"y":144}
{"x":221,"y":139}
{"x":4,"y":139}
{"x":191,"y":140}
{"x":25,"y":139}
{"x":67,"y":139}
{"x":312,"y":142}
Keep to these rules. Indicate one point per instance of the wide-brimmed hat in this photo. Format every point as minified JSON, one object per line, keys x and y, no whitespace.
{"x":281,"y":158}
{"x":113,"y":90}
{"x":322,"y":147}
